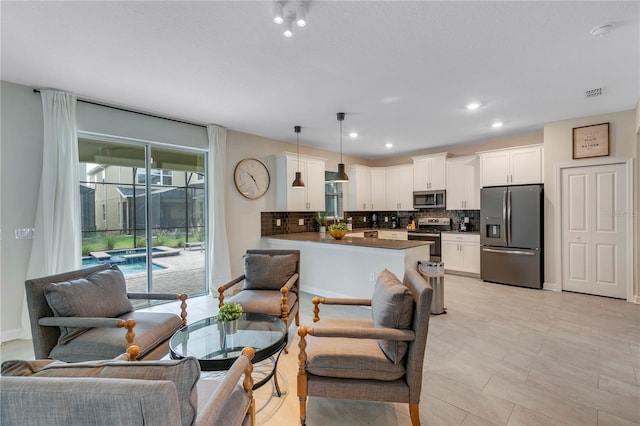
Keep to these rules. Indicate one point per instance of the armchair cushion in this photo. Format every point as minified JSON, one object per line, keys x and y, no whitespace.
{"x":184,"y":373}
{"x":267,"y":272}
{"x":152,"y":329}
{"x":349,"y":358}
{"x":392,"y":307}
{"x":101,"y":294}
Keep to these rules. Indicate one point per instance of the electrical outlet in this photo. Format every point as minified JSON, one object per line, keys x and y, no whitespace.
{"x":301,"y":222}
{"x":364,"y":219}
{"x":386,"y":219}
{"x":466,"y":219}
{"x":372,"y":276}
{"x":278,"y":222}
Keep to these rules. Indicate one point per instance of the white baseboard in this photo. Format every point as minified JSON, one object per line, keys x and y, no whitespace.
{"x":551,"y":286}
{"x":9,"y":335}
{"x":636,"y":300}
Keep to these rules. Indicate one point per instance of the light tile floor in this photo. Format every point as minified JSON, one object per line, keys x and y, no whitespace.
{"x":501,"y":356}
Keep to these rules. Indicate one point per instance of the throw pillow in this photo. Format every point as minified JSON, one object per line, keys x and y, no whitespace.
{"x":101,"y":294}
{"x":267,"y":272}
{"x":392,"y":307}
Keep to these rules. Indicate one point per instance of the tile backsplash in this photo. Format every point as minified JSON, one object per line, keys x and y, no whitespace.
{"x":289,"y":222}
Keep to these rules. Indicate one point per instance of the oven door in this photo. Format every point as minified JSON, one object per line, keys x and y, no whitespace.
{"x":435,"y":254}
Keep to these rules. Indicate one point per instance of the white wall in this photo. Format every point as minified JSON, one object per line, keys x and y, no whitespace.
{"x":21,"y":145}
{"x":558,"y":150}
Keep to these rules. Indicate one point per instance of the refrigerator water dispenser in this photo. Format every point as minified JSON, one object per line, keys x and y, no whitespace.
{"x":493,"y":231}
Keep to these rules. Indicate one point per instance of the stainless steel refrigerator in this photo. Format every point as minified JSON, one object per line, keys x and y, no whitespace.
{"x":511,"y":235}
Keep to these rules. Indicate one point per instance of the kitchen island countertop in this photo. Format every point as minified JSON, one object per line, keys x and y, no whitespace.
{"x":326,"y":238}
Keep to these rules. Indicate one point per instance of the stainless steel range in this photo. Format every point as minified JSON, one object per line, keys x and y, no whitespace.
{"x":429,"y":229}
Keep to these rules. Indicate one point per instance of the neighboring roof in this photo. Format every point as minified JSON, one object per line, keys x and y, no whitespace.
{"x":127,"y":191}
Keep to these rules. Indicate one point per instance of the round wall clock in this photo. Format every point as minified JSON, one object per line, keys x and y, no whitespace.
{"x":251,"y":178}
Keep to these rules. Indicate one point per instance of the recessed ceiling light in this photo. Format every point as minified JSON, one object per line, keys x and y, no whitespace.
{"x":473,"y":105}
{"x":353,"y":134}
{"x":497,"y":124}
{"x":388,"y":145}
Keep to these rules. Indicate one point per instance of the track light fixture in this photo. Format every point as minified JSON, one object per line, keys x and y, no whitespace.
{"x":298,"y":182}
{"x":341,"y":176}
{"x":301,"y":15}
{"x":288,"y":12}
{"x":278,"y":16}
{"x":287,"y":27}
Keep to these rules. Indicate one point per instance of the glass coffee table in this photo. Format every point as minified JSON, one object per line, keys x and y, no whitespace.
{"x":217,"y":350}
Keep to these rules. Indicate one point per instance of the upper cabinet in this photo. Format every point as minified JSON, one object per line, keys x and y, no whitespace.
{"x":513,"y":166}
{"x":358,"y":194}
{"x":429,"y":172}
{"x":379,"y":188}
{"x":366,"y":189}
{"x":311,"y":197}
{"x":399,"y":187}
{"x":463,"y":183}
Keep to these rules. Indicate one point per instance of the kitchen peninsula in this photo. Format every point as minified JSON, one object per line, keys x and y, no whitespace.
{"x":348,"y":267}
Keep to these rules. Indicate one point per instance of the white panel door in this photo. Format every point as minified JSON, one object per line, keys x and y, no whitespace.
{"x":594,"y":230}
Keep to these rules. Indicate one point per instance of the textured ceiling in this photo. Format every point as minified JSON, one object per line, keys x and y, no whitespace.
{"x":401,"y":70}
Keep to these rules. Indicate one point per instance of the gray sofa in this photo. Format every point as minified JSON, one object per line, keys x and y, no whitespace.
{"x":120,"y":392}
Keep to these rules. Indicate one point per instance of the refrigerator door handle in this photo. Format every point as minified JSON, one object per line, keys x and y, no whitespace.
{"x":504,"y":217}
{"x":524,"y":253}
{"x":509,"y":239}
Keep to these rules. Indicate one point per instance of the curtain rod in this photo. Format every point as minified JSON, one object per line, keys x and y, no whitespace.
{"x":135,"y":112}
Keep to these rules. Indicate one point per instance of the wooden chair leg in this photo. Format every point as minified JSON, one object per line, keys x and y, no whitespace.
{"x":414,"y":412}
{"x":302,"y":374}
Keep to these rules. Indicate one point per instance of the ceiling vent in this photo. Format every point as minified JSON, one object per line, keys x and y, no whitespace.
{"x":594,"y":93}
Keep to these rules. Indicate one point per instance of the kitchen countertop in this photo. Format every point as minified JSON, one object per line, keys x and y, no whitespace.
{"x":317,"y":237}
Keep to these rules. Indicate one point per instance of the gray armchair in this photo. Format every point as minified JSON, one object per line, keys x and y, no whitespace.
{"x":378,"y":360}
{"x":271,"y":284}
{"x":79,"y":316}
{"x":118,"y":392}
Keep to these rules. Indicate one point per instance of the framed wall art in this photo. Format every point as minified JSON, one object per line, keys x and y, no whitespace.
{"x":591,"y":141}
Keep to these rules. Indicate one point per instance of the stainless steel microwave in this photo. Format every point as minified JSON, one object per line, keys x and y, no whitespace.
{"x":429,"y":199}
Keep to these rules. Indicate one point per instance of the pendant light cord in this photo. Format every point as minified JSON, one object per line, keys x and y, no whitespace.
{"x":341,"y":141}
{"x":298,"y":149}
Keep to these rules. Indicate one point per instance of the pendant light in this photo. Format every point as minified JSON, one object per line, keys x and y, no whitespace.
{"x":342,"y":175}
{"x":298,"y":182}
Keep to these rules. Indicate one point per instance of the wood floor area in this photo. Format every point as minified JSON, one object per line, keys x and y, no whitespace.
{"x":501,"y":356}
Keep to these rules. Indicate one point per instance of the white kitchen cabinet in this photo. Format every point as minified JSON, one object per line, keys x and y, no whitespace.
{"x":366,"y":190}
{"x":461,"y":252}
{"x":309,"y":198}
{"x":463,"y":183}
{"x":429,"y":172}
{"x":395,"y":234}
{"x":358,"y":194}
{"x":512,"y":166}
{"x":378,"y":188}
{"x":399,"y":187}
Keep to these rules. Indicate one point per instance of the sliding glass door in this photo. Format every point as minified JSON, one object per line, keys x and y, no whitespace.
{"x":144,"y":209}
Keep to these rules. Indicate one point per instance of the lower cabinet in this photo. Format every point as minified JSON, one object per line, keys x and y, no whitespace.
{"x":461,"y":252}
{"x":393,"y":235}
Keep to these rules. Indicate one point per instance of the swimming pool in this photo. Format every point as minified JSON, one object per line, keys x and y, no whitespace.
{"x":127,"y":266}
